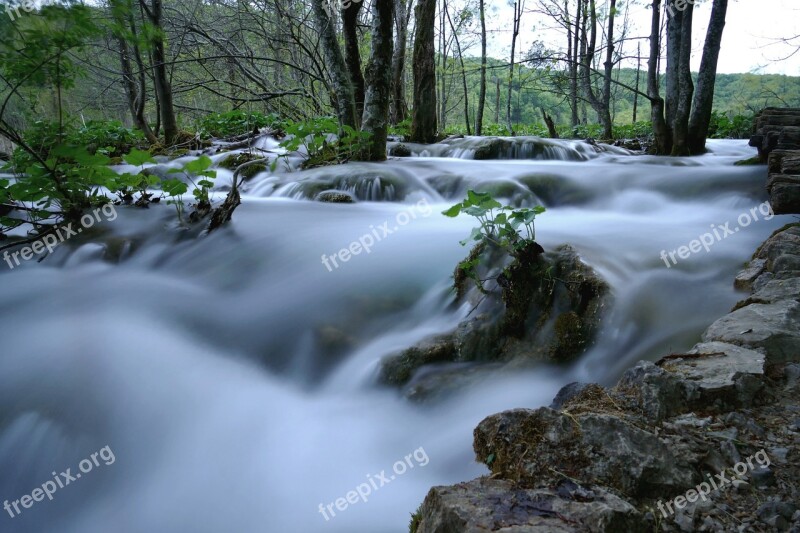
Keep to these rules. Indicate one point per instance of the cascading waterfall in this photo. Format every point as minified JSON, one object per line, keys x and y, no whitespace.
{"x":233,"y":375}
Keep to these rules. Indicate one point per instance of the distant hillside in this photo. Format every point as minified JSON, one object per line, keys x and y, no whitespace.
{"x":541,"y":87}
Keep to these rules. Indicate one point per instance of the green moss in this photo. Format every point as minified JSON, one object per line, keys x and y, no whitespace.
{"x":570,"y":338}
{"x":748,"y":162}
{"x":416,"y":518}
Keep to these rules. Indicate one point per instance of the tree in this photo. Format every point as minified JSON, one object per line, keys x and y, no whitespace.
{"x":518,"y":7}
{"x":160,"y":78}
{"x":379,"y":79}
{"x":661,"y":129}
{"x":424,"y":124}
{"x":399,"y":108}
{"x":340,"y":76}
{"x":352,"y":55}
{"x":704,"y":97}
{"x":124,"y":29}
{"x":482,"y":90}
{"x":684,"y":83}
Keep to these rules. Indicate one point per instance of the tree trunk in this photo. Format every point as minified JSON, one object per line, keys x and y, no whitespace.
{"x":605,"y":119}
{"x":672,"y":91}
{"x":680,"y":128}
{"x":661,"y":130}
{"x":379,"y":78}
{"x":704,"y":97}
{"x":482,"y":90}
{"x":160,"y":78}
{"x":551,"y":127}
{"x":352,"y":55}
{"x":463,"y":73}
{"x":424,"y":123}
{"x":399,"y":110}
{"x":340,"y":77}
{"x":514,"y":35}
{"x":589,"y":38}
{"x":135,"y":86}
{"x":573,"y":81}
{"x":638,"y":76}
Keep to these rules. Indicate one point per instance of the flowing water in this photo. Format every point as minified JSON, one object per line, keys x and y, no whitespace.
{"x":233,"y":375}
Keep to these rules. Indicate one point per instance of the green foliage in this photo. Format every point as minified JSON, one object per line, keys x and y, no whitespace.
{"x":109,"y":138}
{"x":401,"y":128}
{"x":511,"y":229}
{"x":234,"y":123}
{"x":723,"y":126}
{"x":502,"y":225}
{"x":322,"y":141}
{"x":200,"y":167}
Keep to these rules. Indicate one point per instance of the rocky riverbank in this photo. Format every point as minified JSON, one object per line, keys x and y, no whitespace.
{"x":707,"y":440}
{"x":612,"y":459}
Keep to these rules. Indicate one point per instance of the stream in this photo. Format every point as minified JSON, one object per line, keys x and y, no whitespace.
{"x":233,"y":375}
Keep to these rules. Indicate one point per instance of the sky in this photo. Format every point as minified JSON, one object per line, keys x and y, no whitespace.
{"x":749,"y":41}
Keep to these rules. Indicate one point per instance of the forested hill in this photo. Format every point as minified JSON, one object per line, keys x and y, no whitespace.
{"x":543,"y":86}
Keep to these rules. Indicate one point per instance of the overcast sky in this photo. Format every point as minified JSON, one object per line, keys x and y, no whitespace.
{"x":749,"y":42}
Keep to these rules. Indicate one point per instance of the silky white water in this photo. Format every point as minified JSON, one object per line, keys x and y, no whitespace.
{"x":233,"y":375}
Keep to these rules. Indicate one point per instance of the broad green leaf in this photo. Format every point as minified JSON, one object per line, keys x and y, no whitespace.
{"x":138,"y":158}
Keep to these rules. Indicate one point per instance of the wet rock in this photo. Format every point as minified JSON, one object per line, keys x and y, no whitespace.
{"x":400,"y":150}
{"x":493,"y":148}
{"x":772,"y":327}
{"x":397,"y":370}
{"x":763,"y":477}
{"x":497,"y":505}
{"x":659,"y":394}
{"x":543,"y":307}
{"x":567,"y":393}
{"x":537,"y":446}
{"x":720,"y":374}
{"x":335,"y":197}
{"x":744,"y":279}
{"x":777,"y":514}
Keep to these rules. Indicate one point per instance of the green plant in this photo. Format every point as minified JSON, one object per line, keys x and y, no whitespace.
{"x":508,"y":228}
{"x":322,"y":141}
{"x":200,"y":167}
{"x":234,"y":123}
{"x":499,"y":224}
{"x":734,"y":127}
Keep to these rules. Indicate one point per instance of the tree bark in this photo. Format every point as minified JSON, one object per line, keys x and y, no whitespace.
{"x":340,"y":77}
{"x":352,"y":54}
{"x":573,"y":66}
{"x":424,"y":123}
{"x":680,"y":128}
{"x":589,"y":38}
{"x":463,"y":73}
{"x":551,"y":127}
{"x":160,"y":78}
{"x":517,"y":16}
{"x":379,"y":77}
{"x":704,"y":97}
{"x":135,"y":85}
{"x":482,"y":90}
{"x":661,"y":130}
{"x":399,"y":109}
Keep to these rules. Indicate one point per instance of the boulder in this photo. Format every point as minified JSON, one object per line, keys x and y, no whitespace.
{"x":486,"y":504}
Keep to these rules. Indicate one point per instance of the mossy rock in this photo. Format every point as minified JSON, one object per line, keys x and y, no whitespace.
{"x":235,"y":160}
{"x":753,"y":161}
{"x":335,"y":197}
{"x":400,"y":150}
